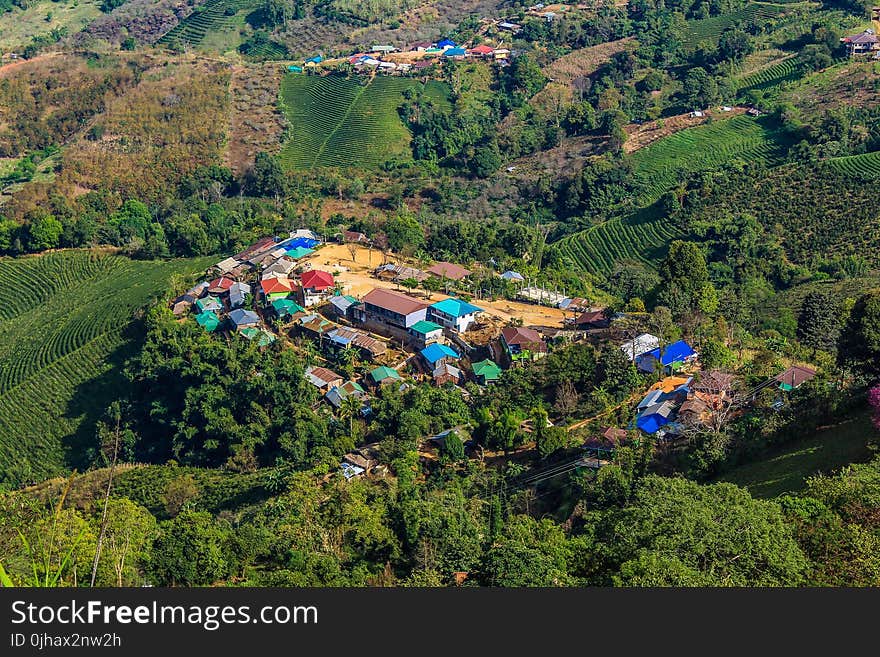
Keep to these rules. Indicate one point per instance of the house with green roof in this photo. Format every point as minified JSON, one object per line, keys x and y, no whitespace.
{"x":383,"y":374}
{"x":262,"y":337}
{"x":425,"y":332}
{"x":208,"y":321}
{"x":486,"y":372}
{"x":212,"y":304}
{"x":454,"y":313}
{"x":286,"y":308}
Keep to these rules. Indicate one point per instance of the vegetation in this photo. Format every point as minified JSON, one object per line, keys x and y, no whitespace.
{"x":65,"y":322}
{"x":337,"y":121}
{"x":209,"y":16}
{"x":136,"y":447}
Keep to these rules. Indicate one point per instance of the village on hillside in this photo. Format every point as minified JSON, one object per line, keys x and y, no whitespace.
{"x":301,"y":288}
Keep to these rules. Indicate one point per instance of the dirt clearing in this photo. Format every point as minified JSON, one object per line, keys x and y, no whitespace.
{"x":356,"y":278}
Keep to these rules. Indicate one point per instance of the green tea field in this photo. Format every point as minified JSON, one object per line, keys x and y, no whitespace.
{"x":64,"y":324}
{"x":338,"y":122}
{"x":643,"y":237}
{"x":660,"y":166}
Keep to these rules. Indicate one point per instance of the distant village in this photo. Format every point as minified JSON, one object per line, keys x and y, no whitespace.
{"x":272,"y":291}
{"x":420,"y":55}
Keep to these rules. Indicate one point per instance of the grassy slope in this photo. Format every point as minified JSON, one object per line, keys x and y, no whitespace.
{"x":340,"y":122}
{"x":18,"y":26}
{"x":785,"y":470}
{"x":64,"y":320}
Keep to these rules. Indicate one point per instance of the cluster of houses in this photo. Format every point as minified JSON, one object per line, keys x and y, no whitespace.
{"x":686,"y":396}
{"x":271,"y":288}
{"x":381,"y":58}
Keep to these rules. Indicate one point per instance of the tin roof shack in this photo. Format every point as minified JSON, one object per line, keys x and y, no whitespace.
{"x":322,"y":378}
{"x":794,"y":377}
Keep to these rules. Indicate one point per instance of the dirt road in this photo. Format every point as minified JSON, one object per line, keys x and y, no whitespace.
{"x":357,"y":280}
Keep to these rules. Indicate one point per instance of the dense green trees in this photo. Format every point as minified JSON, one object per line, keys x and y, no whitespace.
{"x":208,"y":402}
{"x":404,"y":233}
{"x":676,"y":532}
{"x":684,"y":280}
{"x":859,"y":345}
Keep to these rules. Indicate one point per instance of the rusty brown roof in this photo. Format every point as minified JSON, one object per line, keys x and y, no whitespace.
{"x":394,"y":301}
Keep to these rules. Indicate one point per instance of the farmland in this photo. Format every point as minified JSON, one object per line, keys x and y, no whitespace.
{"x":335,"y":121}
{"x":213,"y":16}
{"x":786,"y":70}
{"x":64,"y":319}
{"x":661,"y":165}
{"x":709,"y":30}
{"x":865,"y":166}
{"x":642,"y":237}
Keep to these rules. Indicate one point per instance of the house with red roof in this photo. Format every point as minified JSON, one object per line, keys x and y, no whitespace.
{"x":316,"y":286}
{"x":449,"y":270}
{"x":276,"y":288}
{"x":522,"y":343}
{"x":482,"y":51}
{"x":220,"y":285}
{"x":392,"y":308}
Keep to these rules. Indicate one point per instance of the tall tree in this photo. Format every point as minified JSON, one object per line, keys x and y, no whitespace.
{"x":818,"y":324}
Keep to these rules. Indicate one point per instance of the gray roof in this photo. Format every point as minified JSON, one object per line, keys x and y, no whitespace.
{"x":241,"y":317}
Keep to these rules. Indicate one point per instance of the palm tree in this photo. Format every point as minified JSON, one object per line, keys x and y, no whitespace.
{"x":349,"y":408}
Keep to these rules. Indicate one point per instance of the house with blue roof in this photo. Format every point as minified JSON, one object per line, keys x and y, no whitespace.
{"x":656,"y":417}
{"x":454,"y":313}
{"x":455,"y":53}
{"x":436,"y":354}
{"x":446,"y":43}
{"x":671,"y":358}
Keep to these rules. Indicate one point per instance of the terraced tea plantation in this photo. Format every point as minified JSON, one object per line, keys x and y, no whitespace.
{"x":866,"y":165}
{"x":709,"y":30}
{"x":643,"y":237}
{"x":213,"y":15}
{"x":787,"y":70}
{"x":663,"y":164}
{"x":63,"y":318}
{"x":340,"y":122}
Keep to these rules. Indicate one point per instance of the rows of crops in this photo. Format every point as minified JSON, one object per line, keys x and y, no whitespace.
{"x":866,"y":165}
{"x":62,"y":316}
{"x":211,"y":16}
{"x":709,"y":30}
{"x":337,"y":121}
{"x":788,"y":70}
{"x":663,"y":164}
{"x":643,"y":237}
{"x":264,"y":50}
